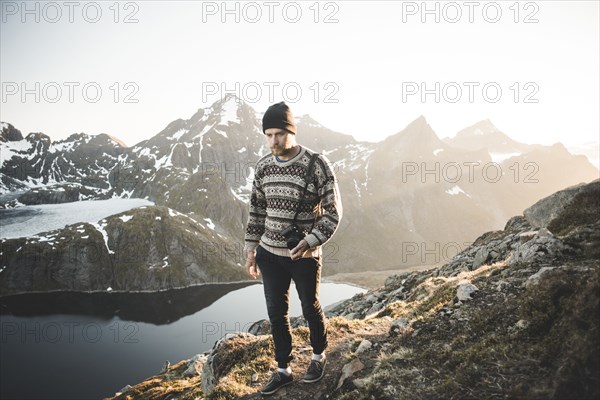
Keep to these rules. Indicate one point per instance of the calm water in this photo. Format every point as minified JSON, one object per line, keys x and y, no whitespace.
{"x":86,"y":346}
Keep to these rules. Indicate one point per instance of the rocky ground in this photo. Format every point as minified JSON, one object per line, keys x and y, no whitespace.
{"x":515,"y":315}
{"x":370,"y":279}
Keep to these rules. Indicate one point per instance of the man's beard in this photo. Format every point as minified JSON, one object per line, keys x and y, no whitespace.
{"x":280,"y":151}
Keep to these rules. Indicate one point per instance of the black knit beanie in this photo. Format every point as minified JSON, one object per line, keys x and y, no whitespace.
{"x":279,"y":116}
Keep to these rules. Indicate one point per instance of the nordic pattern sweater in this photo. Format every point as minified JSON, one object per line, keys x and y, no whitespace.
{"x":276,"y":192}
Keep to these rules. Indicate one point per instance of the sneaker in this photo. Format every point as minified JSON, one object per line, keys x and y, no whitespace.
{"x":277,"y":381}
{"x":316,"y":370}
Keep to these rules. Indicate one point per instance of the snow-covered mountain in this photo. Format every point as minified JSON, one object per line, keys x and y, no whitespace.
{"x":409,"y":199}
{"x":484,"y":135}
{"x":37,"y":162}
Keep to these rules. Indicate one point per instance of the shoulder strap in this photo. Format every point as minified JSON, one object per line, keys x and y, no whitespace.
{"x":309,"y":170}
{"x":307,"y":179}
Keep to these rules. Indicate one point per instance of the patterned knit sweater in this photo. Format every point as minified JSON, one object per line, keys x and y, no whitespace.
{"x":276,"y":191}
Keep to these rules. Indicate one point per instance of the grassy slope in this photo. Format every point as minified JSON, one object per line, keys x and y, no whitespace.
{"x":540,"y":341}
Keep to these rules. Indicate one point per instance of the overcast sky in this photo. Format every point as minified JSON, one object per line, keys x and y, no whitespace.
{"x":362,"y":68}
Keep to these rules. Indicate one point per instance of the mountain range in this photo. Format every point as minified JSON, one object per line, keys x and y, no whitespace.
{"x":411,"y":199}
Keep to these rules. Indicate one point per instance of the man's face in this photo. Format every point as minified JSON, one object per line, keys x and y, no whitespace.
{"x":280,"y":141}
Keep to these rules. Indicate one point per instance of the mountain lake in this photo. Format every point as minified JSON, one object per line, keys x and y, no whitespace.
{"x":69,"y":345}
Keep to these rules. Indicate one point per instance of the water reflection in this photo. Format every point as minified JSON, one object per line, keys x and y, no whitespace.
{"x":83,"y":346}
{"x":153,"y":307}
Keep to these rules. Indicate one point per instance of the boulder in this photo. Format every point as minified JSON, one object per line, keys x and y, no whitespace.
{"x":465,"y":290}
{"x":565,"y":209}
{"x":261,"y":327}
{"x":363,"y":346}
{"x":535,"y":278}
{"x":348,"y":370}
{"x":195,"y":365}
{"x":399,"y":326}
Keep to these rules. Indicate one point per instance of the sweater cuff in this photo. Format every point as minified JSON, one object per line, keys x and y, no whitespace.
{"x":250,"y":246}
{"x":312,"y":240}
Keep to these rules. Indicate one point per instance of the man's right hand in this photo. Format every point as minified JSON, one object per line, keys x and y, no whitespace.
{"x":251,"y":267}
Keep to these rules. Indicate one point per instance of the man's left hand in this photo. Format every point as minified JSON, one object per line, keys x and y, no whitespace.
{"x":297,"y":251}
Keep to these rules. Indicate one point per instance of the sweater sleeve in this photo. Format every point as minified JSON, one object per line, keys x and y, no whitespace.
{"x":331,"y":206}
{"x":256,"y":218}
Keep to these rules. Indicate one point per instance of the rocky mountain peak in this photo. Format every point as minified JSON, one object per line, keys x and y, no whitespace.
{"x":481,"y":128}
{"x":8,"y":133}
{"x":227,"y":108}
{"x":76,"y":137}
{"x":115,"y":141}
{"x":308,"y":121}
{"x":485,"y":135}
{"x":35,"y":137}
{"x":418,"y":136}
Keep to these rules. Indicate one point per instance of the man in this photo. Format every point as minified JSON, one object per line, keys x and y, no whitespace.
{"x":277,"y":189}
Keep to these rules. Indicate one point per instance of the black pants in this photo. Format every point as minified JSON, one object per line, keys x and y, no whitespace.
{"x":277,"y":273}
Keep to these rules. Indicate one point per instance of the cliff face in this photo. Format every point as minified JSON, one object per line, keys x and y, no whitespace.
{"x":147,"y":248}
{"x":515,"y":315}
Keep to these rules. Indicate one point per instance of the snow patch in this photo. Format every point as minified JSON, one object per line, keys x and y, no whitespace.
{"x":220,"y":132}
{"x":357,"y":188}
{"x":243,"y":193}
{"x":173,"y":213}
{"x":209,"y":223}
{"x":499,"y":157}
{"x":437,"y":151}
{"x":456,"y":190}
{"x":61,"y":147}
{"x":207,"y":128}
{"x":244,"y":198}
{"x":145,"y":151}
{"x":100,"y":228}
{"x":229,"y":111}
{"x":164,"y":161}
{"x":125,"y":218}
{"x":18,"y":148}
{"x":178,"y":134}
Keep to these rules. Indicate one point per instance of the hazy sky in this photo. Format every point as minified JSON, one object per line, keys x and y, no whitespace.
{"x":361,"y":67}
